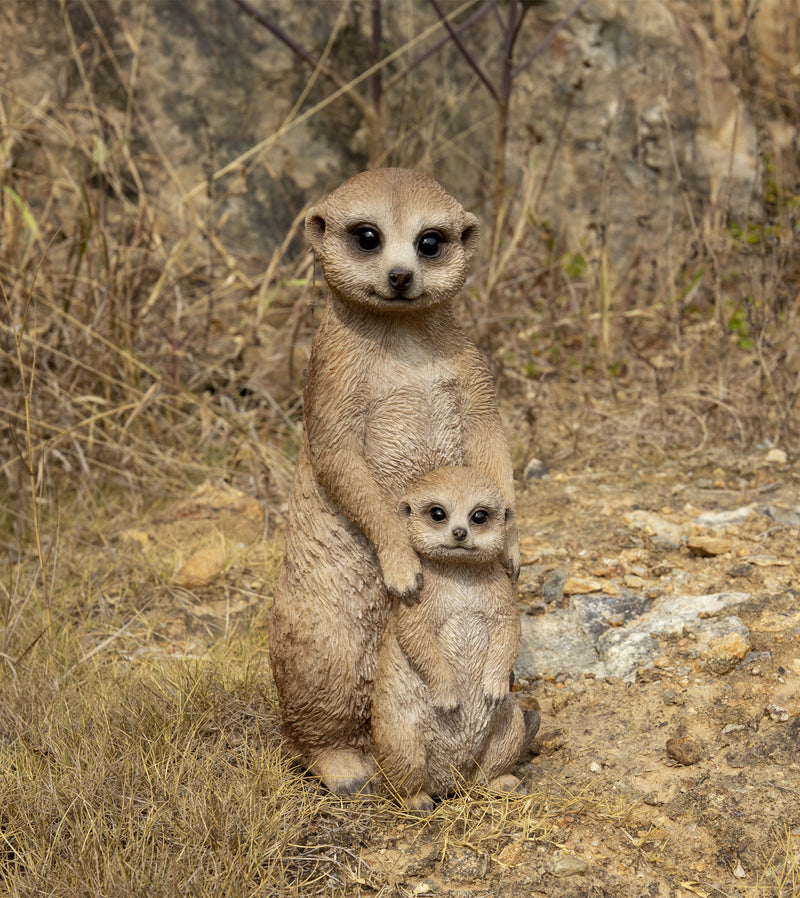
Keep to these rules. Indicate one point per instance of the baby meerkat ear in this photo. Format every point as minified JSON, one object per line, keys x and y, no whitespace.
{"x":470,"y":233}
{"x":405,"y":509}
{"x":315,"y":229}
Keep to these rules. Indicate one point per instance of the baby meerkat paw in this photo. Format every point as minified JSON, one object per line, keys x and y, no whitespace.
{"x":495,"y":690}
{"x":402,"y":574}
{"x":346,"y":771}
{"x":420,"y":804}
{"x":445,"y":697}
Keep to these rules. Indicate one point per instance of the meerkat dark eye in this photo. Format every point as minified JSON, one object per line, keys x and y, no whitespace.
{"x":367,"y":238}
{"x":430,"y":244}
{"x":479,"y":517}
{"x":437,"y":514}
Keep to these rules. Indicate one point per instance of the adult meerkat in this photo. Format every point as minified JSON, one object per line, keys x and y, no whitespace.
{"x":442,"y":711}
{"x":394,"y":388}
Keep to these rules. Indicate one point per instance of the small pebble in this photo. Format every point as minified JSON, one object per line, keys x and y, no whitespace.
{"x":580,"y":586}
{"x":776,"y":457}
{"x":684,"y":750}
{"x":567,"y":865}
{"x":553,"y":586}
{"x":708,"y":546}
{"x":777,"y":713}
{"x":724,"y":653}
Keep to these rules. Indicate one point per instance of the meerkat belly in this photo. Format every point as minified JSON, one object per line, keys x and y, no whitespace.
{"x":414,"y":426}
{"x":464,"y":640}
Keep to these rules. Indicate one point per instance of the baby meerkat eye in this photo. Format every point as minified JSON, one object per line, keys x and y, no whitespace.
{"x":437,"y":514}
{"x":367,"y":238}
{"x":429,"y":244}
{"x":479,"y":517}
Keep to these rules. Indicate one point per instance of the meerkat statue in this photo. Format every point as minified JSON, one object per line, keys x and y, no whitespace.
{"x":394,"y":388}
{"x":442,"y":712}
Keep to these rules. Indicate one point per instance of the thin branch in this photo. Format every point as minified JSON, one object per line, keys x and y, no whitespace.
{"x":304,"y":54}
{"x":471,"y":61}
{"x":435,"y":47}
{"x":377,"y":78}
{"x":281,"y":35}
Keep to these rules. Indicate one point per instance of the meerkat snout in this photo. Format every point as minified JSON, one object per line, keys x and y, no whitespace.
{"x":459,"y":534}
{"x":401,"y":279}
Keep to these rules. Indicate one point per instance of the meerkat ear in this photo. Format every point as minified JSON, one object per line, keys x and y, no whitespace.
{"x":315,"y":229}
{"x":470,"y":233}
{"x":405,"y":509}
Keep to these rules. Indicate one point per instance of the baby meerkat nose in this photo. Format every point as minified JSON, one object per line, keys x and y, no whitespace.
{"x":459,"y":534}
{"x":400,"y":278}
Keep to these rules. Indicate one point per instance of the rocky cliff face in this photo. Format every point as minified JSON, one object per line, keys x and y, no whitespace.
{"x":629,"y":121}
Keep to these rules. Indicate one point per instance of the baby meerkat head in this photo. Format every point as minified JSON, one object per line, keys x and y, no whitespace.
{"x":456,"y":515}
{"x":392,"y":240}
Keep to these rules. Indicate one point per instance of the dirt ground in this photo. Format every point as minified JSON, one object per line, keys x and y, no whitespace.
{"x":707,"y":758}
{"x":683,"y":782}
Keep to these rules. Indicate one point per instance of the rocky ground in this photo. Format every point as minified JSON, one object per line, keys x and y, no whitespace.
{"x":671,"y":681}
{"x":661,"y":630}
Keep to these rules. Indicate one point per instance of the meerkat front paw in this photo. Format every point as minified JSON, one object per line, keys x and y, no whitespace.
{"x":402,"y":574}
{"x":495,"y":689}
{"x":445,"y":696}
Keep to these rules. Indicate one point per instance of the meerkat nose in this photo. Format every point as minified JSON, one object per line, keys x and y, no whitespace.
{"x":459,"y":534}
{"x":400,"y":278}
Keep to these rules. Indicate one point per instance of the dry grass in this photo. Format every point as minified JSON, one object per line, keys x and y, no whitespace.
{"x":164,"y":779}
{"x":128,"y":769}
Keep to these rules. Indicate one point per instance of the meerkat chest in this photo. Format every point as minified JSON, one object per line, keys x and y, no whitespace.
{"x":414,"y":419}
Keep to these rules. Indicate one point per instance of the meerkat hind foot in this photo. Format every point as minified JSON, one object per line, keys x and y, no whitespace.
{"x":346,"y":771}
{"x":505,"y":783}
{"x":420,"y":804}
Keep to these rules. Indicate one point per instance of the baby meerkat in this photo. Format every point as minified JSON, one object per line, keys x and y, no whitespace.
{"x":442,"y":711}
{"x":394,"y":388}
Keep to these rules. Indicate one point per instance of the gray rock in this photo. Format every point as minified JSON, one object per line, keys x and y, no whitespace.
{"x":553,"y":586}
{"x":554,"y":642}
{"x":579,"y":639}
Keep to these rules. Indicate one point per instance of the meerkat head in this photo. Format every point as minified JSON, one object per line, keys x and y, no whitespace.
{"x":456,"y":515}
{"x":392,"y":240}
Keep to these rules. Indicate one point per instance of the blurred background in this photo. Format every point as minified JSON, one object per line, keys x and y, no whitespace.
{"x":634,"y":164}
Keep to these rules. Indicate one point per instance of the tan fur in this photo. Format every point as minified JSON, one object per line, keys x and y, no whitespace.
{"x":442,"y":711}
{"x":394,"y":389}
